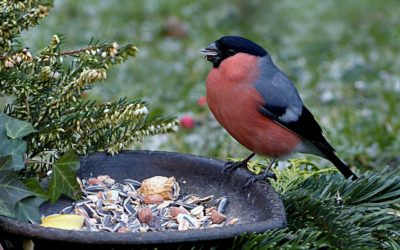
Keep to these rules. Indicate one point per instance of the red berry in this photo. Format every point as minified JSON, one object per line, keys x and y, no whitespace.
{"x":202,"y":101}
{"x":187,"y":122}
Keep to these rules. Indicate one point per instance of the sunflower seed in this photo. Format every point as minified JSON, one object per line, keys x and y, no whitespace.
{"x":67,"y":210}
{"x":222,"y":204}
{"x":94,"y":188}
{"x":112,"y":206}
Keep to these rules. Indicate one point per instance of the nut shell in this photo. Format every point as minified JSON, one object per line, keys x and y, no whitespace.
{"x":145,"y":215}
{"x":153,"y":199}
{"x":217,"y":217}
{"x":233,"y":221}
{"x":123,"y":230}
{"x":168,"y":188}
{"x":177,"y":210}
{"x":94,"y":181}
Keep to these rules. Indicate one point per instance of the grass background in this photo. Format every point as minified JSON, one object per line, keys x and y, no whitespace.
{"x":343,"y":56}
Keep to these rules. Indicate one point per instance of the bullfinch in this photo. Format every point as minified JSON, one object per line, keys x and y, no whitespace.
{"x":260,"y":107}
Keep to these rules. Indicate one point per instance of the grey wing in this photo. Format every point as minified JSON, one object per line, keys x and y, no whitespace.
{"x":280,"y":96}
{"x":282,"y":104}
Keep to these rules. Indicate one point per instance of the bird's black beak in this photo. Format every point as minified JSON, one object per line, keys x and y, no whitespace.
{"x":212,"y":53}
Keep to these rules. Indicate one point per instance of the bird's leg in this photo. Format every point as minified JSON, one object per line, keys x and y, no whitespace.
{"x":264,"y":175}
{"x":233,"y":165}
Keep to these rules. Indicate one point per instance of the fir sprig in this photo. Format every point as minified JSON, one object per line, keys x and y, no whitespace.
{"x":326,"y":210}
{"x":17,"y":16}
{"x":48,"y":94}
{"x":48,"y":122}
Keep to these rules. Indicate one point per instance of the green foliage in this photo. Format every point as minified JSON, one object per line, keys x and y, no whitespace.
{"x":47,"y":89}
{"x":13,"y":147}
{"x":281,"y":239}
{"x":16,"y":149}
{"x":5,"y":209}
{"x":48,"y":121}
{"x":297,"y":172}
{"x":27,"y":208}
{"x":17,"y":16}
{"x":4,"y":161}
{"x":16,"y":199}
{"x":17,"y":129}
{"x":326,"y":210}
{"x":21,"y":200}
{"x":12,"y":191}
{"x":49,"y":96}
{"x":63,"y":178}
{"x":33,"y":185}
{"x":332,"y":205}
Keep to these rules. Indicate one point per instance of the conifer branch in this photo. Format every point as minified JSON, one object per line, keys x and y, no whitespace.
{"x":327,"y":211}
{"x":48,"y":92}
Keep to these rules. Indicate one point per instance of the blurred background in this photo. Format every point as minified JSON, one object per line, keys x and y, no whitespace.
{"x":343,"y":56}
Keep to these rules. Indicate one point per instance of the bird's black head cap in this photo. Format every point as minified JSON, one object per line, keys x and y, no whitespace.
{"x":230,"y":45}
{"x":239,"y":44}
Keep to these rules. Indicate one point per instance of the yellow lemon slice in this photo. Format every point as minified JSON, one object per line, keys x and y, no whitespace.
{"x":63,"y":221}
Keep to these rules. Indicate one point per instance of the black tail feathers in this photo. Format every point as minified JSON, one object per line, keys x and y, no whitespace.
{"x":339,"y":164}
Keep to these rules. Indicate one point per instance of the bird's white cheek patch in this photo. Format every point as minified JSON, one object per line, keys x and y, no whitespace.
{"x":291,"y":114}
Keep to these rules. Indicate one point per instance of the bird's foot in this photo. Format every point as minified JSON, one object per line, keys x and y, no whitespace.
{"x":231,"y":166}
{"x":260,"y":177}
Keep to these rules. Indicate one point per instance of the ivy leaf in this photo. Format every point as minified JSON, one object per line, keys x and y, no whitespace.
{"x":28,"y":209}
{"x":3,"y":132}
{"x":17,"y":129}
{"x":33,"y":185}
{"x":17,"y":150}
{"x":4,"y":160}
{"x":5,"y":211}
{"x":63,"y":179}
{"x":12,"y":190}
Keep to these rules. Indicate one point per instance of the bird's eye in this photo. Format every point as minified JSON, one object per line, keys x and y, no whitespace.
{"x":231,"y":52}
